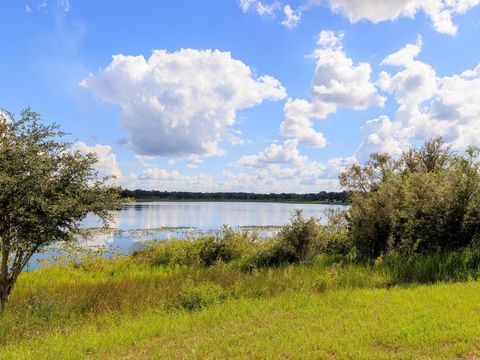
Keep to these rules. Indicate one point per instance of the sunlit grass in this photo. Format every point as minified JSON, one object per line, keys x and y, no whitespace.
{"x":440,"y":321}
{"x":329,"y":307}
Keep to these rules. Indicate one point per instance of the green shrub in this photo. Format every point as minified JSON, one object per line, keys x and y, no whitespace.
{"x":273,"y":253}
{"x":298,"y":239}
{"x":425,"y":202}
{"x":193,"y":296}
{"x":171,"y":252}
{"x":228,"y":246}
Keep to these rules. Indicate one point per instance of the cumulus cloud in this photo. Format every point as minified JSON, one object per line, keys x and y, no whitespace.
{"x":428,"y":106}
{"x":276,"y":178}
{"x":154,"y":178}
{"x":405,"y":56}
{"x":279,"y":168}
{"x":303,"y":177}
{"x":107,"y":164}
{"x":439,"y":11}
{"x":286,"y":153}
{"x":292,"y":17}
{"x":298,"y":124}
{"x":337,"y":82}
{"x":181,"y":103}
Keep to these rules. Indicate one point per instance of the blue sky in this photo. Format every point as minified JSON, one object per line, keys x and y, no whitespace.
{"x":228,"y":95}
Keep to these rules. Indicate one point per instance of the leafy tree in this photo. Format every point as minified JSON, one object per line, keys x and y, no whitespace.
{"x":46,"y":189}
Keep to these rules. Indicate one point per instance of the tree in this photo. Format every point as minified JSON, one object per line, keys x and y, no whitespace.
{"x":46,"y":189}
{"x":426,"y":201}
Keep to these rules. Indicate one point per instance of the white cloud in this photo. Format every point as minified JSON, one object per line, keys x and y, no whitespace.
{"x":267,"y":9}
{"x":5,"y":116}
{"x":154,"y":178}
{"x":336,"y":82}
{"x":279,"y":179}
{"x":43,"y":5}
{"x":428,"y":106}
{"x":279,"y":168}
{"x":297,"y":123}
{"x":64,"y":5}
{"x":107,"y":164}
{"x":292,"y":17}
{"x":305,"y":177}
{"x":439,"y":11}
{"x":246,"y":4}
{"x":264,"y":9}
{"x":181,"y":103}
{"x":405,"y":56}
{"x":286,"y":153}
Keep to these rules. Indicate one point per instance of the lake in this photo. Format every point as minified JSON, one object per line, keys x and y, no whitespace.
{"x":139,"y":222}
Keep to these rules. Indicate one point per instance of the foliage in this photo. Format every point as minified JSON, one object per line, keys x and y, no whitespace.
{"x":298,"y":237}
{"x":299,"y":241}
{"x":193,"y":296}
{"x":425,"y":202}
{"x":230,"y":246}
{"x":46,"y":189}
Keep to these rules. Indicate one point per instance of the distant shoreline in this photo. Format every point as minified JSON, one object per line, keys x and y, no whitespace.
{"x":322,"y":197}
{"x":320,"y":202}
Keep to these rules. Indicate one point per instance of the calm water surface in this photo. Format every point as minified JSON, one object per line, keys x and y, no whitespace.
{"x":140,"y":222}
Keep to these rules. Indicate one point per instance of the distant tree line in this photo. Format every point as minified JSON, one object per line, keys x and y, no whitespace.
{"x":323,"y":196}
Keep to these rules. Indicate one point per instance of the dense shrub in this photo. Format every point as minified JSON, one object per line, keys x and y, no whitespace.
{"x":229,"y":246}
{"x":427,"y":201}
{"x":172,"y":252}
{"x":196,"y":296}
{"x":299,"y":237}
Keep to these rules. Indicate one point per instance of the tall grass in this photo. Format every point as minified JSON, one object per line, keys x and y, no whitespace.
{"x":61,"y":295}
{"x":459,"y":265}
{"x":193,"y":274}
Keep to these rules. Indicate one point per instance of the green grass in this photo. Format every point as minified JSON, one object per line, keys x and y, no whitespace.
{"x":123,"y":308}
{"x":440,"y":321}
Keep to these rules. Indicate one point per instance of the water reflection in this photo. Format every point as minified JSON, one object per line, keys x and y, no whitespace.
{"x":138,"y":222}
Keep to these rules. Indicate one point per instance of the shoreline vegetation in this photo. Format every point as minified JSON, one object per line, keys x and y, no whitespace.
{"x":234,"y":295}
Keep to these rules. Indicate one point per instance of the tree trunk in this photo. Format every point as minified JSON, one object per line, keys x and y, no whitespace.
{"x":4,"y":282}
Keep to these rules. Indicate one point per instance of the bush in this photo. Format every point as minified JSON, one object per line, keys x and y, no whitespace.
{"x":229,"y":246}
{"x":193,"y":296}
{"x":298,"y":239}
{"x":426,"y":202}
{"x":172,"y":252}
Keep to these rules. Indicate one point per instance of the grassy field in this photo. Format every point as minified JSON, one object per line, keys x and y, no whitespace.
{"x":123,"y":308}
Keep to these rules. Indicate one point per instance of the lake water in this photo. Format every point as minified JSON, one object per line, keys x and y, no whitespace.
{"x":139,"y":222}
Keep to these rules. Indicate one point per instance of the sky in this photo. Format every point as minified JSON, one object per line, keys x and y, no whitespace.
{"x":243,"y":95}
